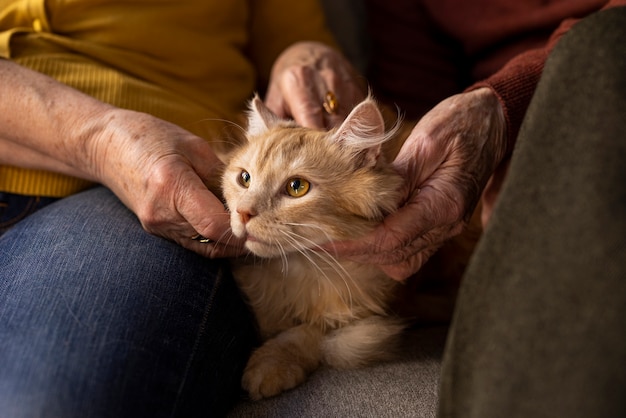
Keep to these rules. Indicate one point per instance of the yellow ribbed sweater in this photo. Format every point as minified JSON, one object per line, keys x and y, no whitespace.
{"x":190,"y":62}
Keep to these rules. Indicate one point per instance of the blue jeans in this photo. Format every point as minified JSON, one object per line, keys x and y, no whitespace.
{"x":99,"y":318}
{"x":14,"y":208}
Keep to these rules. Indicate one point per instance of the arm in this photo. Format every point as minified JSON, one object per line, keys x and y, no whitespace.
{"x":35,"y":115}
{"x":447,"y":160}
{"x":514,"y":86}
{"x":515,"y":83}
{"x":156,"y":168}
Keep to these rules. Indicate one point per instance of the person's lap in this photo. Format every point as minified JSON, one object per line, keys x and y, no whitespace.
{"x":99,"y":318}
{"x":138,"y":326}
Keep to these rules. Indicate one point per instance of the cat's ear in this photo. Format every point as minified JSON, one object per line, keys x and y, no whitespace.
{"x":363,"y":131}
{"x":260,"y":118}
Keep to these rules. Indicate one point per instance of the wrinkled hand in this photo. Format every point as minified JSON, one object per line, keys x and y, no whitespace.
{"x":301,"y":77}
{"x":446,"y":161}
{"x":160,"y":172}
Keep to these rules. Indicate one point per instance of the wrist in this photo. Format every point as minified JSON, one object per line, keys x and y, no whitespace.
{"x":497,"y":133}
{"x":99,"y":143}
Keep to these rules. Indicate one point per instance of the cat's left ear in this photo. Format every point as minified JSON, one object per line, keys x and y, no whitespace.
{"x":260,"y":118}
{"x":363,"y":131}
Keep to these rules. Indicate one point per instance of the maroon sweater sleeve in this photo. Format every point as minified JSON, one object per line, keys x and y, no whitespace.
{"x":515,"y":83}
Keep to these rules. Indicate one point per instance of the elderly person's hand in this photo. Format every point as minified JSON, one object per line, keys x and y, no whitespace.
{"x":159,"y":170}
{"x":446,"y":161}
{"x":313,"y":84}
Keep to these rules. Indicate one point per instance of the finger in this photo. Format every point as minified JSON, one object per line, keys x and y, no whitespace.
{"x":405,"y":269}
{"x":339,"y":95}
{"x":207,"y":220}
{"x":275,"y":102}
{"x":205,"y":214}
{"x":403,"y":262}
{"x":225,"y":246}
{"x":297,"y":96}
{"x":421,"y":224}
{"x":213,"y":249}
{"x":397,"y":231}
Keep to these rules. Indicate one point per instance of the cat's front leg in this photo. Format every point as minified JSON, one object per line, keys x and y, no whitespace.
{"x":283,"y":362}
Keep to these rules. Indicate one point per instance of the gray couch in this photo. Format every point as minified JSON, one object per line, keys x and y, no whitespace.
{"x":405,"y":387}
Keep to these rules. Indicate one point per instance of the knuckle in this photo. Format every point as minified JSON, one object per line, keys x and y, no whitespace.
{"x":298,"y":74}
{"x":151,"y":219}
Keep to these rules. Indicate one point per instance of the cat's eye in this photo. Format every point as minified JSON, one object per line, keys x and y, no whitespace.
{"x":298,"y":187}
{"x":244,"y":179}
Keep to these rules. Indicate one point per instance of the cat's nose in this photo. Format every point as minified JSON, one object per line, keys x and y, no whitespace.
{"x":246,"y":214}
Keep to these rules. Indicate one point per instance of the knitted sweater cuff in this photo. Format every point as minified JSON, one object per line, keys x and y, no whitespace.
{"x":514,"y":85}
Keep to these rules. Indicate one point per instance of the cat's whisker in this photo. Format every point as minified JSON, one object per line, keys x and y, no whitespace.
{"x":319,"y":248}
{"x":284,"y":259}
{"x":341,"y":272}
{"x":303,"y":250}
{"x":228,"y":233}
{"x":332,"y":262}
{"x":226,"y":121}
{"x":312,"y":226}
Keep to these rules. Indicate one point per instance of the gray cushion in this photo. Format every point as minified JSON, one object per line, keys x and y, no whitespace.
{"x":406,"y":387}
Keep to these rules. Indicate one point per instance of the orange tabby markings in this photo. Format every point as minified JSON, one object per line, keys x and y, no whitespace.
{"x":282,"y":362}
{"x":291,"y":190}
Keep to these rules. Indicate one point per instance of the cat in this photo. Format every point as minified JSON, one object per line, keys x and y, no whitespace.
{"x":290,"y":190}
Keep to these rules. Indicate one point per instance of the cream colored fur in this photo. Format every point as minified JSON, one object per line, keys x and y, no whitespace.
{"x":311,"y":308}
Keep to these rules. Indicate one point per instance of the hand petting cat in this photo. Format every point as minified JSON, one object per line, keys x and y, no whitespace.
{"x":301,"y":78}
{"x":446,"y":161}
{"x":303,"y":75}
{"x":156,"y":168}
{"x":160,"y":171}
{"x":167,"y":191}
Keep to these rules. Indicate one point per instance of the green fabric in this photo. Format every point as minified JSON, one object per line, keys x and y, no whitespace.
{"x":540,"y":324}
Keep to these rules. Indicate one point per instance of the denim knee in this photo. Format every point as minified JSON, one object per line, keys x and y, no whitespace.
{"x":99,"y":318}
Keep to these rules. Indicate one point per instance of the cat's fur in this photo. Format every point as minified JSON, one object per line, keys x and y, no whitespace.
{"x":311,"y":308}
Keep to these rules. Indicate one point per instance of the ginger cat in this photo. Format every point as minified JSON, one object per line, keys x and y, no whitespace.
{"x":291,"y":190}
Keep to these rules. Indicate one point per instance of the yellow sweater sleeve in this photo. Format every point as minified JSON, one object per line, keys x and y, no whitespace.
{"x":192,"y":62}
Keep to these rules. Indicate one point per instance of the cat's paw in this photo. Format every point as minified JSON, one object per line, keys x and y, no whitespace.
{"x":266,"y":375}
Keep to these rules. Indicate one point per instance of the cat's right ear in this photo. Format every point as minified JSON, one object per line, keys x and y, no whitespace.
{"x":364,"y":131}
{"x":260,"y":118}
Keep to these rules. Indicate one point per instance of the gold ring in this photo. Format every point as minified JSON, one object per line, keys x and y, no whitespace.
{"x":330,"y":104}
{"x":202,"y":239}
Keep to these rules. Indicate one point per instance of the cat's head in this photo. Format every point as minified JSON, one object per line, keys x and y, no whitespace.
{"x":291,"y":188}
